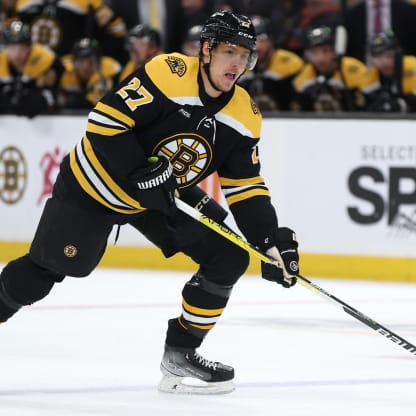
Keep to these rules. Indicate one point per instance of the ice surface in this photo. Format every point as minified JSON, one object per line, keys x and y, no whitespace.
{"x":93,"y":347}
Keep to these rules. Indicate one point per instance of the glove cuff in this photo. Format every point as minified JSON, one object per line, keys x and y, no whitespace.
{"x":284,"y":238}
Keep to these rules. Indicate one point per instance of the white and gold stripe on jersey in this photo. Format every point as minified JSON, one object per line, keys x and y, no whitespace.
{"x":236,"y":190}
{"x":96,"y":181}
{"x":108,"y":121}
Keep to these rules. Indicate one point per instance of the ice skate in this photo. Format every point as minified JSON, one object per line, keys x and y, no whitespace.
{"x":186,"y":372}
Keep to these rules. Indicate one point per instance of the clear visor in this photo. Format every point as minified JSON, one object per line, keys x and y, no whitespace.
{"x":252,"y":60}
{"x":248,"y":58}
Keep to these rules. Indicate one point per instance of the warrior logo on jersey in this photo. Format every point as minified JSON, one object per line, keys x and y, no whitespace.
{"x":176,"y":65}
{"x":190,"y":155}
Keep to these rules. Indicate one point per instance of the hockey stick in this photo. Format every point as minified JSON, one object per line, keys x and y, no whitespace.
{"x":241,"y":242}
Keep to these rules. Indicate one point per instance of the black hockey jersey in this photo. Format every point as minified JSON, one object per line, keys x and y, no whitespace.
{"x":58,"y":24}
{"x":271,"y":87}
{"x":162,"y":108}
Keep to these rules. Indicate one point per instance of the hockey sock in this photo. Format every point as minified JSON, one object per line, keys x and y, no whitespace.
{"x":202,"y":304}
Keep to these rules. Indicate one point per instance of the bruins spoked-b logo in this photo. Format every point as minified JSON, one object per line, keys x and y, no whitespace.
{"x":176,"y":65}
{"x":70,"y":251}
{"x":190,"y":155}
{"x":47,"y":30}
{"x":13,"y":175}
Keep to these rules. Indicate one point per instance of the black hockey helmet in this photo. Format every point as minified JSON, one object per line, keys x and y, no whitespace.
{"x":237,"y":29}
{"x":143,"y":31}
{"x":318,"y":36}
{"x":17,"y":32}
{"x":194,"y":33}
{"x":229,"y":27}
{"x":382,"y":42}
{"x":86,"y":47}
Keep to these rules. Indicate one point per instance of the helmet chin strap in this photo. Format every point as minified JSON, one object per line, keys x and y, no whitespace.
{"x":206,"y":67}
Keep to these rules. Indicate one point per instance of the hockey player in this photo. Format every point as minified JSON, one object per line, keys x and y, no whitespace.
{"x":391,"y":85}
{"x":329,"y":82}
{"x":88,"y":75}
{"x":142,"y":43}
{"x":29,"y":74}
{"x":270,"y":82}
{"x":170,"y":124}
{"x":191,"y":44}
{"x":59,"y":24}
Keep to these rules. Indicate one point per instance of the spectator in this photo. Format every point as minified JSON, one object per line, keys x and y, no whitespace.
{"x":392,"y":77}
{"x":374,"y":16}
{"x":7,"y":15}
{"x":163,"y":15}
{"x":316,"y":13}
{"x":59,"y":24}
{"x":88,"y":75}
{"x":142,"y":43}
{"x":8,"y":11}
{"x":270,"y":83}
{"x":328,"y":82}
{"x":29,"y":74}
{"x":292,"y":10}
{"x":194,"y":12}
{"x":192,"y":42}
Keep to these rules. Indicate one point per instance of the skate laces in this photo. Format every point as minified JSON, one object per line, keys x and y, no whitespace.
{"x":206,"y":363}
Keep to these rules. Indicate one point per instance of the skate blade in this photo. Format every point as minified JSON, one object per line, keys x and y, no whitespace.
{"x":189,"y":385}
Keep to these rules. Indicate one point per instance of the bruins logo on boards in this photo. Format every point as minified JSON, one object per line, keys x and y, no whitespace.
{"x":190,"y":155}
{"x":13,"y":175}
{"x":176,"y":65}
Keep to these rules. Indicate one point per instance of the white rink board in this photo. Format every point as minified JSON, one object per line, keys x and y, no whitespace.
{"x":306,"y":163}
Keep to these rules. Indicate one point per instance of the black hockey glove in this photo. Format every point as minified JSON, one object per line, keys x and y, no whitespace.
{"x":285,"y":244}
{"x":156,"y":185}
{"x":384,"y":102}
{"x":31,"y":103}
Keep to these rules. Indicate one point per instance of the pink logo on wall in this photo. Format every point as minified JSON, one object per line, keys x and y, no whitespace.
{"x":49,"y":165}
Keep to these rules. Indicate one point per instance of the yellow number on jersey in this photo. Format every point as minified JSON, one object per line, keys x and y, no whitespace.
{"x":135,"y":85}
{"x":255,"y":155}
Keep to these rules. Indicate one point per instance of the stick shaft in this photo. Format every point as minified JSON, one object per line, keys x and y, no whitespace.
{"x":241,"y":242}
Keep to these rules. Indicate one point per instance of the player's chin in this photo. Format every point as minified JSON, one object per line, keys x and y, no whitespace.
{"x":227,"y":88}
{"x":227,"y":85}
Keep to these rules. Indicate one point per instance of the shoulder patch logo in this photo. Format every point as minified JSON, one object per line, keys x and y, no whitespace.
{"x":353,"y":69}
{"x":254,"y":107}
{"x":176,"y":65}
